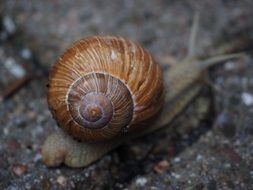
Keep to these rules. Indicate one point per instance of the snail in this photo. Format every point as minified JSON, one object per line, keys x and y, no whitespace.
{"x":105,"y":90}
{"x":102,"y":87}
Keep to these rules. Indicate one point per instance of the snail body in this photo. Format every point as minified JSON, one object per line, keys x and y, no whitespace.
{"x":104,"y":91}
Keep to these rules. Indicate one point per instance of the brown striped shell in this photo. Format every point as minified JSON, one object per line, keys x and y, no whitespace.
{"x":102,"y":87}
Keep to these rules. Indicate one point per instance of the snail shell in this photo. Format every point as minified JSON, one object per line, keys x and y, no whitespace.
{"x":102,"y":87}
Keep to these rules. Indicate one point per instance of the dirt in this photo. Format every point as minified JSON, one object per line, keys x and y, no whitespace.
{"x":209,"y":146}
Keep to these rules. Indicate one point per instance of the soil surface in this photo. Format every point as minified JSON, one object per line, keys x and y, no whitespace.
{"x":209,"y":146}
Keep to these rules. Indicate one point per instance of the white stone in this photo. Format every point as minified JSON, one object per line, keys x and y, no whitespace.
{"x":26,"y":53}
{"x":177,"y":160}
{"x":247,"y":98}
{"x":199,"y":157}
{"x":14,"y":68}
{"x":230,"y":65}
{"x":9,"y":24}
{"x":175,"y":175}
{"x":141,"y":181}
{"x":37,"y":157}
{"x":6,"y":131}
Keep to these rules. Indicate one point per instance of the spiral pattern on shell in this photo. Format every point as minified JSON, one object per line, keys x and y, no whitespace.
{"x":102,"y":87}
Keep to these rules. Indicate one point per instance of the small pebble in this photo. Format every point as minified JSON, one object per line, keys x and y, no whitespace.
{"x":175,"y":175}
{"x":28,"y":185}
{"x":224,"y":123}
{"x":19,"y":169}
{"x":14,"y":68}
{"x":9,"y":25}
{"x":227,"y":165}
{"x":247,"y":98}
{"x":58,"y":171}
{"x":161,"y":166}
{"x":62,"y":180}
{"x":230,"y":65}
{"x":119,"y":186}
{"x":31,"y":115}
{"x":177,"y":160}
{"x":26,"y":53}
{"x":141,"y":181}
{"x":199,"y":157}
{"x":37,"y":157}
{"x":6,"y":131}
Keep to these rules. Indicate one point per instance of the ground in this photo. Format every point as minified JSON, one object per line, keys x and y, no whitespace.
{"x":209,"y":146}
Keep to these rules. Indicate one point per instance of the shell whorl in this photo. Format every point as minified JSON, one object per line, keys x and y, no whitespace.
{"x":102,"y":86}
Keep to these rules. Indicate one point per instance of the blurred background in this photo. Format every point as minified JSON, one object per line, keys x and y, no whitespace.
{"x":210,"y":145}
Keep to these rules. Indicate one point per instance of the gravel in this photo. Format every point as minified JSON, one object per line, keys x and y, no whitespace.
{"x":210,"y":146}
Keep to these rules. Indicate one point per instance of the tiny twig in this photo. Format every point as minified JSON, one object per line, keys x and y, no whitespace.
{"x":13,"y":87}
{"x":18,"y":84}
{"x":39,"y":71}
